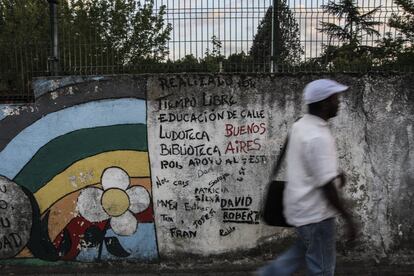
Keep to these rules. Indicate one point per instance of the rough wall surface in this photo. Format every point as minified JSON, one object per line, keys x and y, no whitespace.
{"x":144,"y":168}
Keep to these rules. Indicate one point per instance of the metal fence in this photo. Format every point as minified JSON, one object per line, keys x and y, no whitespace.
{"x":206,"y":36}
{"x":235,"y":23}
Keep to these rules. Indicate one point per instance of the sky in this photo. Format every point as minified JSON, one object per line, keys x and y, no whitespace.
{"x":234,"y":22}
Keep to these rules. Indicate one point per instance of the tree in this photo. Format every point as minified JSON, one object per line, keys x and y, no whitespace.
{"x":22,"y":21}
{"x":213,"y":58}
{"x":95,"y":37}
{"x":23,"y":28}
{"x":92,"y":33}
{"x":125,"y":31}
{"x":289,"y":47}
{"x":399,"y":50}
{"x":389,"y":50}
{"x":357,"y":26}
{"x":239,"y":62}
{"x":404,"y":23}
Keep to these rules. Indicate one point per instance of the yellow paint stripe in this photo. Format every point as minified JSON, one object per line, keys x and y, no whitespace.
{"x":88,"y":172}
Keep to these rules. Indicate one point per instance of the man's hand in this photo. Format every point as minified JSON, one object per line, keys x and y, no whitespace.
{"x":351,"y":232}
{"x":342,"y":179}
{"x":335,"y":200}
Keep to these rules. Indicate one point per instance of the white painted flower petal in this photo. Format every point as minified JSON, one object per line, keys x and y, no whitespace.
{"x":124,"y":225}
{"x":139,"y":199}
{"x":89,"y":205}
{"x":115,"y":178}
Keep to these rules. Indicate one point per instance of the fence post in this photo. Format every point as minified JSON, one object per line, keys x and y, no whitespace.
{"x":53,"y":59}
{"x":275,"y":37}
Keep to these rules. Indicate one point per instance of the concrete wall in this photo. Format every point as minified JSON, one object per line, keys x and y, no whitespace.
{"x":148,"y":168}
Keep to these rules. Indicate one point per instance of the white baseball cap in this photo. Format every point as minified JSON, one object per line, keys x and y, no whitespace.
{"x":319,"y":90}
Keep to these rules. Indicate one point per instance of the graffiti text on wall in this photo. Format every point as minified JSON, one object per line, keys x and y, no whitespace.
{"x":208,"y":148}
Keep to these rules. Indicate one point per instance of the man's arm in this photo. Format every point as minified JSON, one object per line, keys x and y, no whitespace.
{"x":322,"y":165}
{"x":335,"y":200}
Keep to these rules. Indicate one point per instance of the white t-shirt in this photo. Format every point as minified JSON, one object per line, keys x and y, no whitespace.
{"x":311,"y":163}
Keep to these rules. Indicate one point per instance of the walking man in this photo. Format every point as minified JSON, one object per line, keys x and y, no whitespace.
{"x":311,"y":199}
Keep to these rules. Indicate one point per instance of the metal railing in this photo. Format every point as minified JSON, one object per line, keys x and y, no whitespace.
{"x":205,"y":36}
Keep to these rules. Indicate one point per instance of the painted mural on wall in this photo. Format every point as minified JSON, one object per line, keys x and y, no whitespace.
{"x":15,"y":219}
{"x":75,"y":179}
{"x":147,"y":167}
{"x":83,"y":161}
